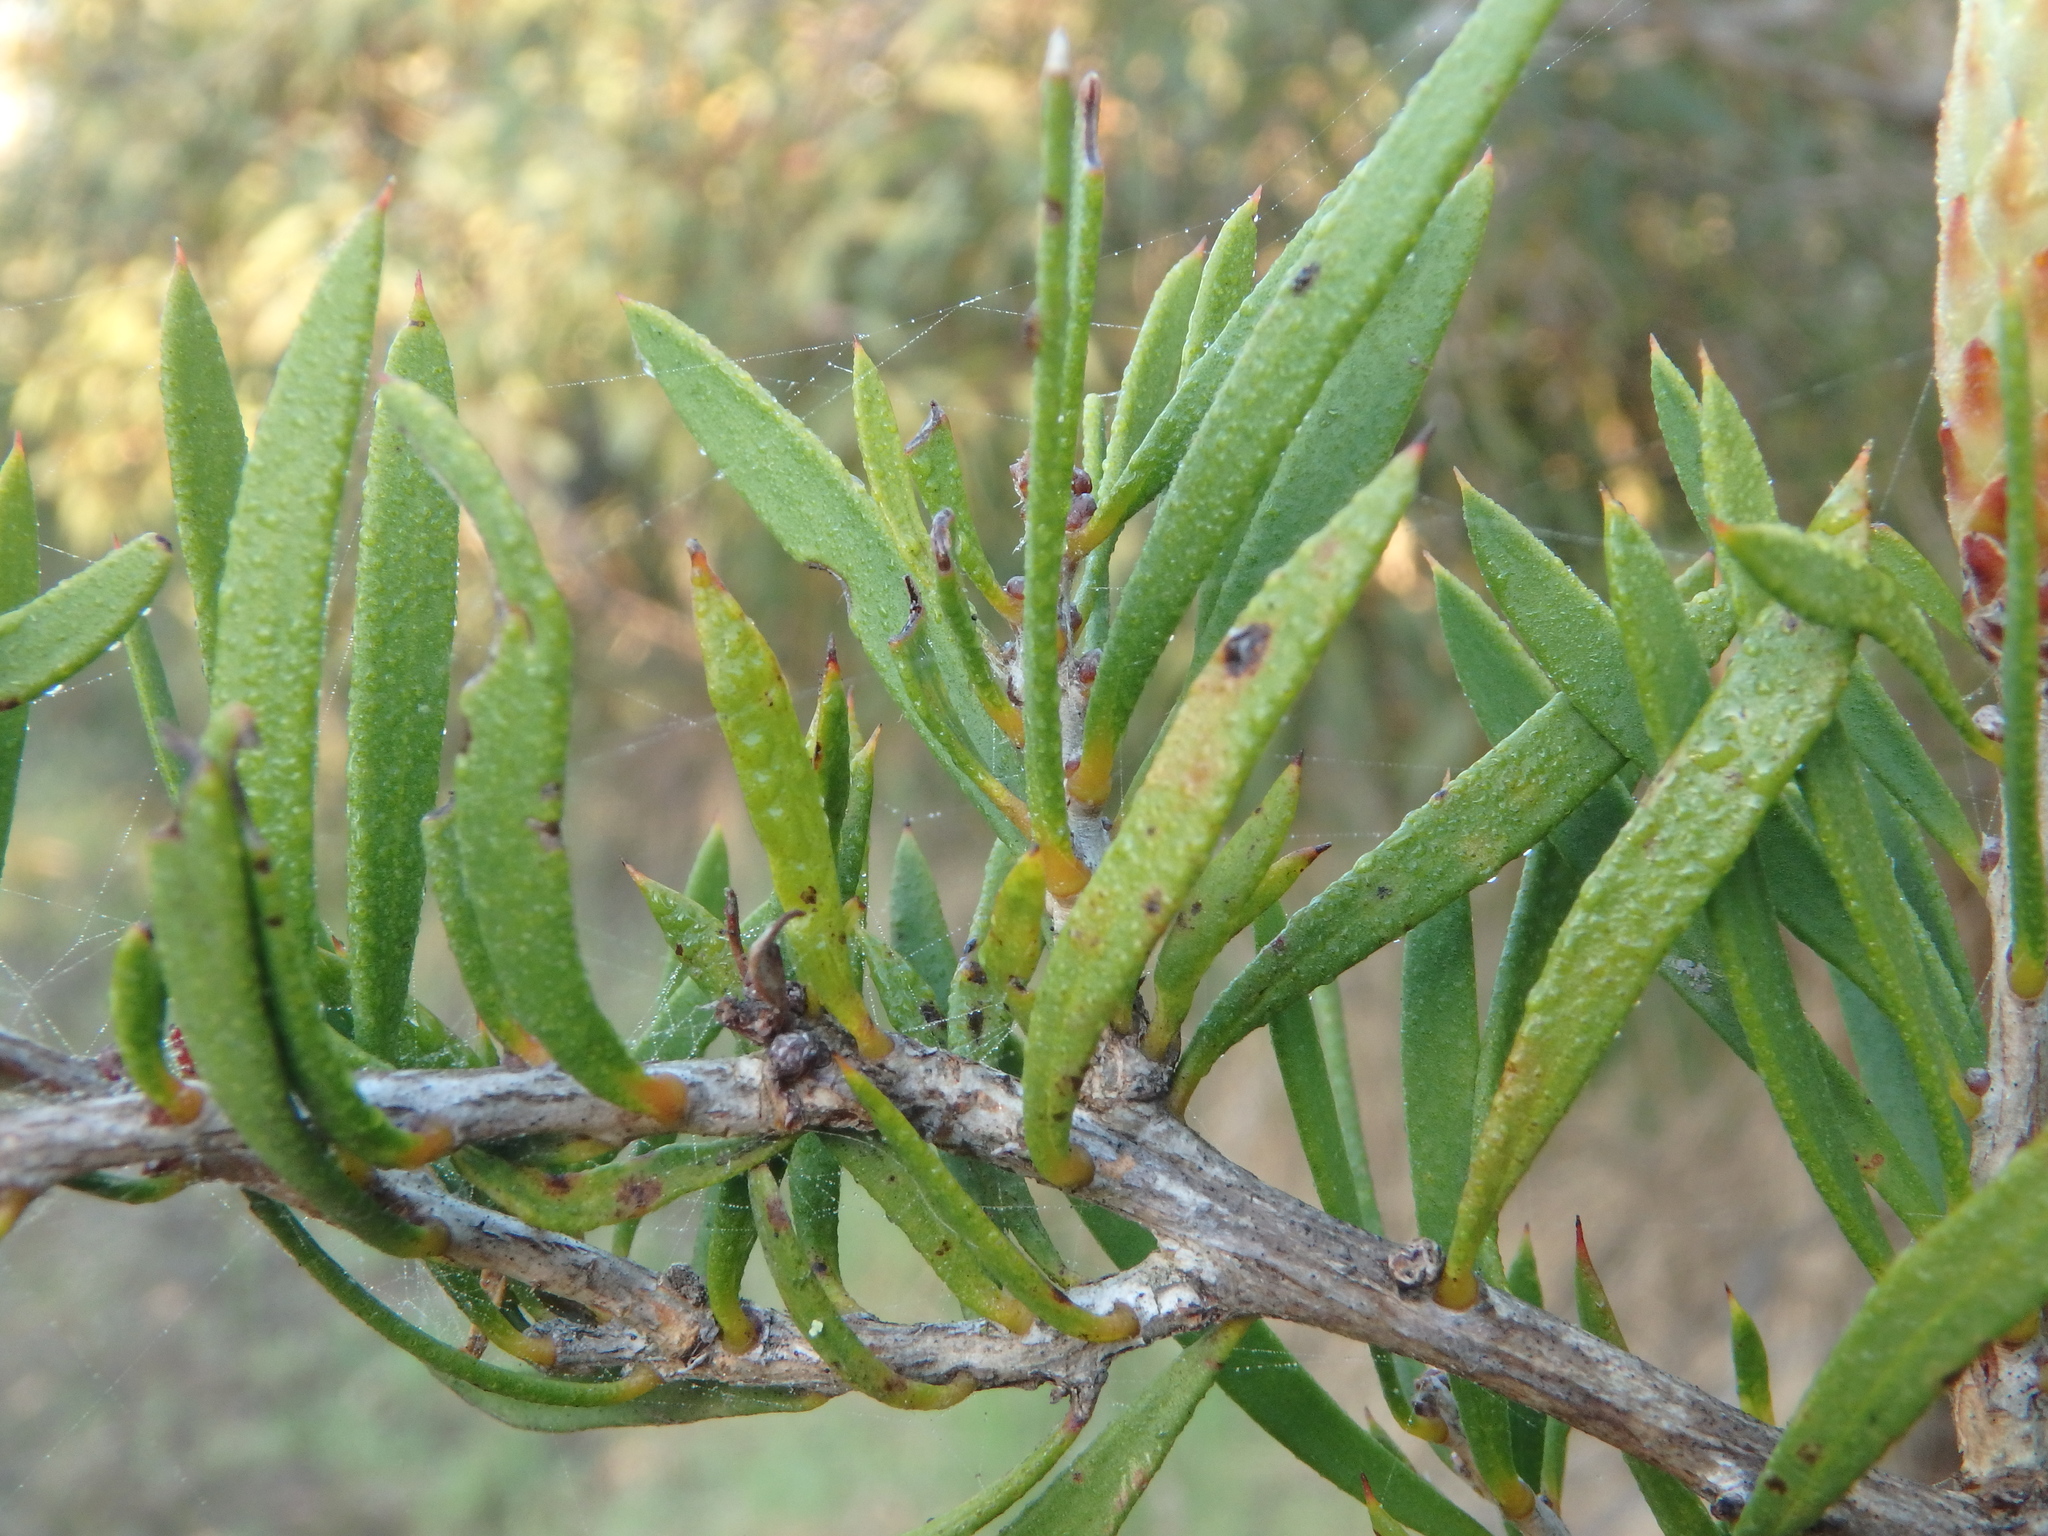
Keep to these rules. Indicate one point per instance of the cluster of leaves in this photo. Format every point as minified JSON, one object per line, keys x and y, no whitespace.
{"x":1668,"y":820}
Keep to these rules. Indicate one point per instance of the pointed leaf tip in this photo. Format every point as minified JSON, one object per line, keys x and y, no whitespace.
{"x":384,"y":197}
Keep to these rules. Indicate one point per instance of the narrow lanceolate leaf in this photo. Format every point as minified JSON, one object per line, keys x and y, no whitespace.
{"x":1374,"y":220}
{"x":135,"y":1008}
{"x":203,"y":432}
{"x":509,"y":780}
{"x":917,"y":922}
{"x":206,"y":932}
{"x":619,"y":1191}
{"x":852,"y":851}
{"x":1853,"y":844}
{"x":890,"y":1185}
{"x":1966,"y":1282}
{"x":2019,"y":665}
{"x":818,"y":512}
{"x":1173,"y":817}
{"x":1672,"y":1504}
{"x":272,"y":632}
{"x":1219,"y":907}
{"x":935,"y":466}
{"x":20,"y":579}
{"x":1439,"y":1059}
{"x":443,"y":1359}
{"x":881,"y":456}
{"x":909,"y":1005}
{"x":1312,"y":1098}
{"x":1227,"y":278}
{"x":1678,"y":423}
{"x":988,"y":999}
{"x":984,"y":1239}
{"x":1671,"y":682}
{"x":1696,"y":817}
{"x":725,"y":1241}
{"x":45,"y":641}
{"x":1154,"y":367}
{"x":1893,"y":553}
{"x":439,"y":834}
{"x":398,"y":691}
{"x":1567,"y":629}
{"x":695,"y":936}
{"x":999,"y":1496}
{"x":1759,"y":975}
{"x":1084,"y":255}
{"x":1364,"y":406}
{"x":1893,"y":754}
{"x":790,"y":1262}
{"x":950,"y":596}
{"x":1835,"y":586}
{"x":1752,"y":1363}
{"x":829,"y":742}
{"x":152,"y":700}
{"x":782,"y":795}
{"x":1491,"y":813}
{"x":1098,"y":1492}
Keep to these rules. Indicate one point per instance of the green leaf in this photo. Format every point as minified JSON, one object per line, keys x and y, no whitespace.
{"x":47,"y":640}
{"x":152,"y":700}
{"x":888,"y":472}
{"x":1678,"y":422}
{"x":1885,"y":1073}
{"x":672,"y":1402}
{"x":988,"y":995}
{"x":1783,"y":1043}
{"x":1098,"y":1492}
{"x":1672,"y":1504}
{"x":907,"y":1001}
{"x":404,"y":628}
{"x":1548,"y":887}
{"x":203,"y":432}
{"x":206,"y":936}
{"x":791,"y":1262}
{"x":1890,"y":750}
{"x":445,"y":1360}
{"x":322,"y":1062}
{"x":1439,"y":1062}
{"x":1326,"y":1007}
{"x":996,"y":1499}
{"x":1567,"y":629}
{"x":1227,"y":278}
{"x":1752,"y":1362}
{"x":135,"y":1009}
{"x":465,"y":934}
{"x":272,"y":629}
{"x":1219,"y":907}
{"x":623,"y":1190}
{"x":1891,"y":552}
{"x":783,"y":797}
{"x":725,"y":1240}
{"x":1973,"y":1277}
{"x":935,"y":466}
{"x":818,"y":512}
{"x":1155,"y":364}
{"x":1696,"y":817}
{"x":1529,"y":1430}
{"x":20,"y":577}
{"x":851,"y":863}
{"x":696,"y":938}
{"x":1174,"y":815}
{"x":1312,"y":1098}
{"x":1671,"y":681}
{"x":953,"y":1205}
{"x":1365,"y":405}
{"x":1853,"y":845}
{"x":917,"y":921}
{"x":1374,"y":220}
{"x":1048,"y":493}
{"x":1835,"y":586}
{"x":829,"y":745}
{"x":877,"y":1170}
{"x":1488,"y":815}
{"x":509,"y":780}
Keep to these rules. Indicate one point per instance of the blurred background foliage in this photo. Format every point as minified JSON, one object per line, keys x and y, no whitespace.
{"x":1752,"y":174}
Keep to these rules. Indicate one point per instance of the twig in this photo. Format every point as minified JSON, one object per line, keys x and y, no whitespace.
{"x":1229,"y":1245}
